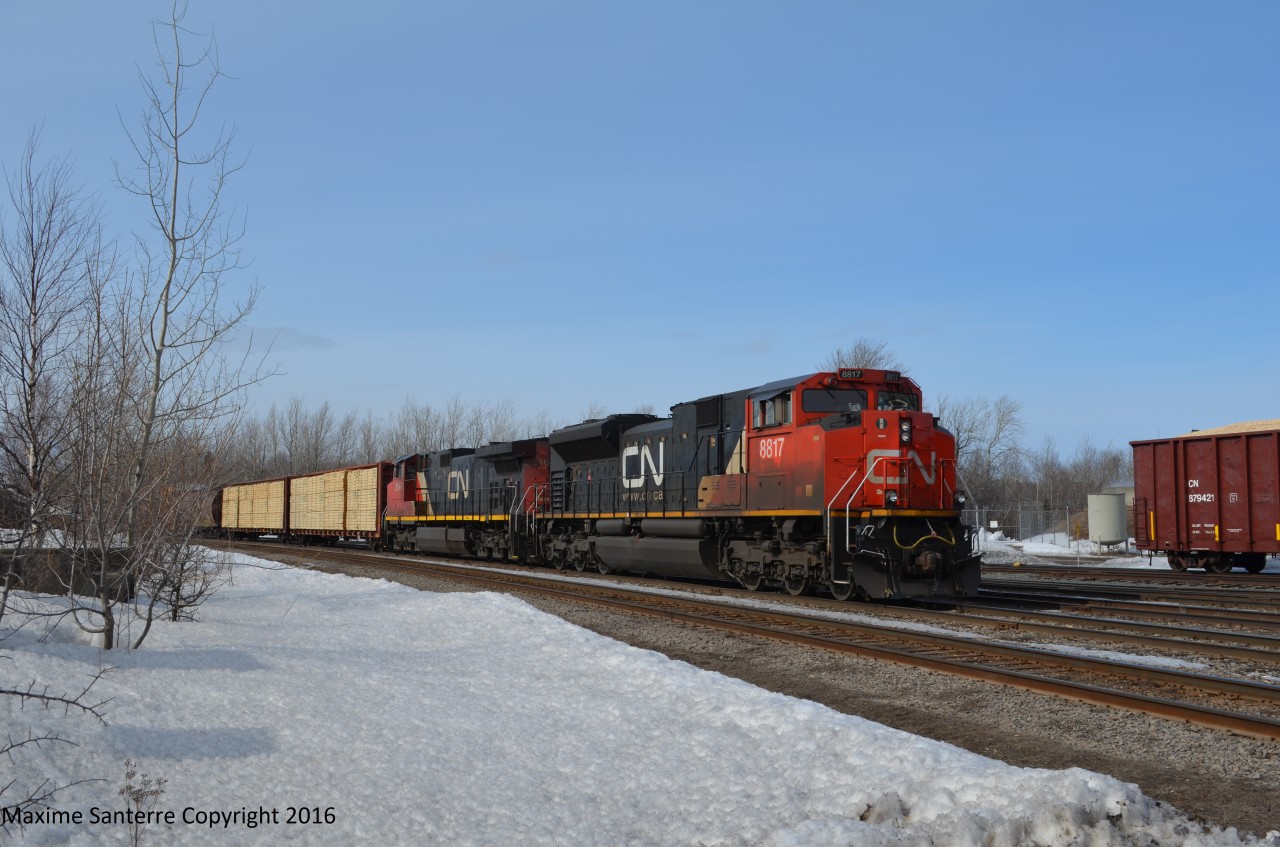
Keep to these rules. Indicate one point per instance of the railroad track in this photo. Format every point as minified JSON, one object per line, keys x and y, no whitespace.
{"x":1264,"y":601}
{"x":1145,"y":609}
{"x":1137,"y":575}
{"x":1242,"y":706}
{"x":1223,"y":643}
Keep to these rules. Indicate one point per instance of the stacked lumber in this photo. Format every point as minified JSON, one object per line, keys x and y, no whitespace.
{"x":335,"y":502}
{"x":362,"y":499}
{"x":1231,"y":429}
{"x":254,"y":505}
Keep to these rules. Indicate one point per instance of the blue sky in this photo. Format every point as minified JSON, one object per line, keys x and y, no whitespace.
{"x":567,"y":203}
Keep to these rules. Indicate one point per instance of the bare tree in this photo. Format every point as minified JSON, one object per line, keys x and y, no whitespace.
{"x":155,"y":392}
{"x":1092,"y":468}
{"x":863,"y":353}
{"x":254,"y":452}
{"x":416,"y":429}
{"x":371,"y":440}
{"x":500,"y":423}
{"x":311,"y":439}
{"x":1049,"y":476}
{"x":988,"y":436}
{"x":539,"y":424}
{"x":54,"y":242}
{"x":181,"y":319}
{"x":305,"y":435}
{"x":453,"y":425}
{"x":343,"y":443}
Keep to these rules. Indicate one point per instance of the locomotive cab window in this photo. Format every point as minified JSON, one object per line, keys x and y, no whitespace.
{"x":897,"y":401}
{"x":837,"y":400}
{"x":773,"y":411}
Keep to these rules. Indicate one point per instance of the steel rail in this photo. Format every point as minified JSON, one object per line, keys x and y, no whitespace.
{"x":1145,"y":608}
{"x":1124,"y":579}
{"x":1224,"y":643}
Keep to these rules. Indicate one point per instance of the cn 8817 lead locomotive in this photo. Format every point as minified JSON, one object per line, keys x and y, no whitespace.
{"x":834,"y":480}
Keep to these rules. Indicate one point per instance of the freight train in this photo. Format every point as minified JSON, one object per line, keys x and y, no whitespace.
{"x":1210,"y":499}
{"x":835,"y":481}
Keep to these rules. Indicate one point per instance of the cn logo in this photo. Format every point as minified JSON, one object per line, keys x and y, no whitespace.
{"x":459,"y":484}
{"x":876,"y":466}
{"x":646,"y":461}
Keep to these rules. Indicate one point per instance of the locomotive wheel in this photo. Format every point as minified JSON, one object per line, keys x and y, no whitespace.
{"x":752,"y":581}
{"x":602,"y":567}
{"x":842,"y":592}
{"x":580,"y":564}
{"x":558,"y":562}
{"x":796,"y":585}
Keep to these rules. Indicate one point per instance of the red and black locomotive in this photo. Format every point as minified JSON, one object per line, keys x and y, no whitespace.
{"x":836,"y":481}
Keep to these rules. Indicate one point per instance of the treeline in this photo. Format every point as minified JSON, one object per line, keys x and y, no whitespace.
{"x":299,"y":439}
{"x":999,"y":472}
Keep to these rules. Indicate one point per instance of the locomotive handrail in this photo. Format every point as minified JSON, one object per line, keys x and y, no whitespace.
{"x":847,"y":523}
{"x":517,"y":506}
{"x":830,"y":528}
{"x":849,"y":502}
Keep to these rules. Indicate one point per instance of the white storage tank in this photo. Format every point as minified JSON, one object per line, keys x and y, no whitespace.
{"x":1108,"y":521}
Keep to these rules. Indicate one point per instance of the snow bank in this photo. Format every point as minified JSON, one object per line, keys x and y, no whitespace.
{"x":401,"y":717}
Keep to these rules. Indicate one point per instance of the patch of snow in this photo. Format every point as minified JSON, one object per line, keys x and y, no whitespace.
{"x":404,"y":717}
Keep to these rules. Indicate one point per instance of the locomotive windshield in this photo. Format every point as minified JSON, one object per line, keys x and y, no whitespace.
{"x":834,"y":400}
{"x":901,"y":401}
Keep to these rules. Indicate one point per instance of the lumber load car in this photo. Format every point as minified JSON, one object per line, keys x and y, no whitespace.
{"x":1210,"y":499}
{"x":253,"y":508}
{"x":345,"y":503}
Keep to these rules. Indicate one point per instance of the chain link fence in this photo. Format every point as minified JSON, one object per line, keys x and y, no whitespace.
{"x":1029,"y":522}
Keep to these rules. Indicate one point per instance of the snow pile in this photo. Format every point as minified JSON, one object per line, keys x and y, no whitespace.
{"x":401,"y":717}
{"x":998,"y":549}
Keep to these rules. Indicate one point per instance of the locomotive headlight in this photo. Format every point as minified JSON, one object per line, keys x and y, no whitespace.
{"x":904,"y":430}
{"x":891,"y":498}
{"x":961,"y":498}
